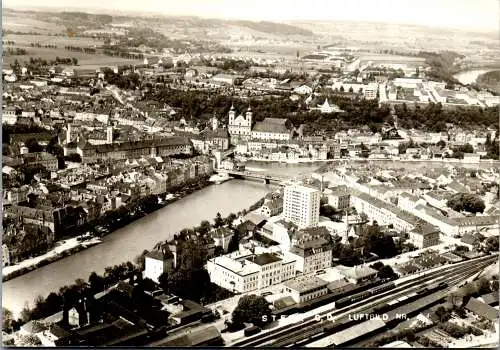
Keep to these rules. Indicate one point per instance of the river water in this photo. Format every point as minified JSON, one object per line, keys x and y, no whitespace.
{"x":470,"y":76}
{"x":128,"y":242}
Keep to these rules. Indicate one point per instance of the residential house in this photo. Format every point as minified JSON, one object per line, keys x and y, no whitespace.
{"x":222,"y":236}
{"x":425,"y":235}
{"x":157,"y":262}
{"x":306,"y":289}
{"x":311,"y":250}
{"x":272,"y":207}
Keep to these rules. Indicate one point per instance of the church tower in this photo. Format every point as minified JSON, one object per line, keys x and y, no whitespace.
{"x":248,"y":117}
{"x":231,"y":115}
{"x":215,"y":123}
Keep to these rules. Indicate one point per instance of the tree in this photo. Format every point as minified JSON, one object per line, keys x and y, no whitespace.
{"x":363,"y":217}
{"x":386,"y":272}
{"x":33,"y":146}
{"x":251,"y":308}
{"x":441,"y":144}
{"x":327,"y":210}
{"x":491,"y":244}
{"x":443,"y":314}
{"x":96,"y":282}
{"x":218,"y":220}
{"x":205,"y":226}
{"x":466,"y":202}
{"x":230,"y":218}
{"x":374,"y":241}
{"x":7,"y":320}
{"x":28,"y":340}
{"x":163,"y":281}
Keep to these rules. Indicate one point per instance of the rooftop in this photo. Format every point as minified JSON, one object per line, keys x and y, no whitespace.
{"x":356,"y":331}
{"x":357,"y":272}
{"x":264,"y":259}
{"x":272,"y":125}
{"x":159,"y":255}
{"x":482,"y":309}
{"x":306,"y":284}
{"x":301,"y":188}
{"x":425,"y":229}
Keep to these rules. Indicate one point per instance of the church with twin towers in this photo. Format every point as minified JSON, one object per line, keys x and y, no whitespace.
{"x":243,"y":128}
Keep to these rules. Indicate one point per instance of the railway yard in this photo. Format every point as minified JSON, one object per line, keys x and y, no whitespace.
{"x":352,"y":318}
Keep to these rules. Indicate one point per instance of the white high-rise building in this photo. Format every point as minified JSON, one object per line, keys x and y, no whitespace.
{"x":301,"y":205}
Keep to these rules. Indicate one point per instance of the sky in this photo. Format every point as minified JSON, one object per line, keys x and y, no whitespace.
{"x":463,"y":14}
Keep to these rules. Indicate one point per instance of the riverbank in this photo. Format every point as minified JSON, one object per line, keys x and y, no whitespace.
{"x":366,"y":160}
{"x":126,"y":243}
{"x":146,"y":206}
{"x":73,"y":245}
{"x":65,"y":248}
{"x":290,"y":161}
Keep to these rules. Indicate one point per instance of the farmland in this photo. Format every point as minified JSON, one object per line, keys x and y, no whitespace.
{"x":85,"y":60}
{"x":27,"y":24}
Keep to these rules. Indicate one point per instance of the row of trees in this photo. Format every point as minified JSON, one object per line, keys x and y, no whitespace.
{"x":230,"y":64}
{"x":65,"y":60}
{"x":47,"y":46}
{"x":67,"y":295}
{"x":80,"y":49}
{"x":434,"y":118}
{"x":14,"y":52}
{"x":202,"y":105}
{"x":123,"y":54}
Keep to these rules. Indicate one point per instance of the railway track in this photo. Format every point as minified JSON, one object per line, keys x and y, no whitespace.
{"x":308,"y":324}
{"x":313,"y":333}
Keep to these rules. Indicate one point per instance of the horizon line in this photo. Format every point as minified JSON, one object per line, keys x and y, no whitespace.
{"x":128,"y":13}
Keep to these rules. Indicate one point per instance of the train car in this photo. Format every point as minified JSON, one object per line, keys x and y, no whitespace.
{"x":383,"y":288}
{"x":363,"y":295}
{"x":436,"y":286}
{"x":380,"y":309}
{"x":422,"y":292}
{"x":252,"y":330}
{"x":343,"y":302}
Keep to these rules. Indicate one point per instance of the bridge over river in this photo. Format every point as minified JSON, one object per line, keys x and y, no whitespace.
{"x":265,"y":178}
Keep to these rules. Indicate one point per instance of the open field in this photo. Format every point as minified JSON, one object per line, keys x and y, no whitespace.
{"x":60,"y":41}
{"x":22,"y":23}
{"x":85,"y":61}
{"x":384,"y":57}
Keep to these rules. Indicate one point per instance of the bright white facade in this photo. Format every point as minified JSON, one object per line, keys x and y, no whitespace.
{"x":156,"y":263}
{"x":301,"y":205}
{"x":240,"y":125}
{"x":246,"y":271}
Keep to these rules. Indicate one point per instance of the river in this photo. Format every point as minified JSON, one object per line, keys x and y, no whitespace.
{"x":128,"y":242}
{"x":470,"y":76}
